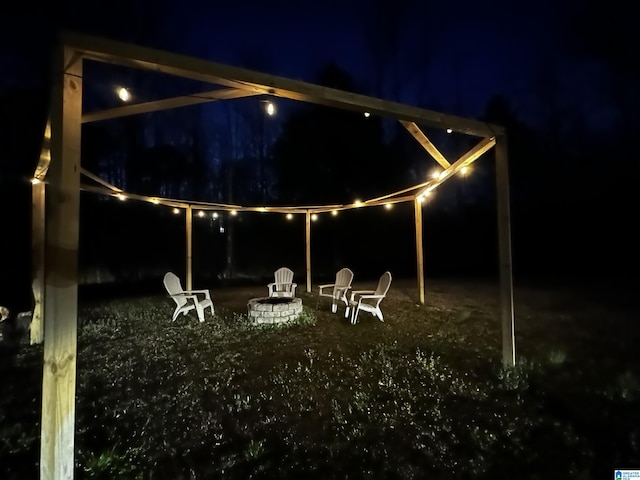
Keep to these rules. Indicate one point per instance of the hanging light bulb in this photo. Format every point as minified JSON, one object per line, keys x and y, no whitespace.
{"x":201,"y":213}
{"x":270,"y":108}
{"x":176,"y":211}
{"x":289,"y":216}
{"x":124,"y":94}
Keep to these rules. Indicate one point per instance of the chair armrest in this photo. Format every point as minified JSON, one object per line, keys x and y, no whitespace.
{"x":360,"y":292}
{"x":365,"y":297}
{"x":206,"y":293}
{"x":272,"y":284}
{"x":324,"y":287}
{"x":184,"y":295}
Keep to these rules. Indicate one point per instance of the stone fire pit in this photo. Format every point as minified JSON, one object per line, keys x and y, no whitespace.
{"x":274,"y":309}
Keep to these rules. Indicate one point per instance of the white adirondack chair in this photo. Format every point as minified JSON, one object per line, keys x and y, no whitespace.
{"x":187,"y":300}
{"x":283,"y":285}
{"x":337,"y":291}
{"x":369,"y":300}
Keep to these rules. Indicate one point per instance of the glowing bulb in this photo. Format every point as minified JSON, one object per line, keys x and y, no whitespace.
{"x":262,"y":209}
{"x":122,"y":197}
{"x":367,"y":114}
{"x":449,"y":130}
{"x":314,"y":217}
{"x":388,"y":206}
{"x":334,"y":212}
{"x":464,"y":170}
{"x":289,"y":216}
{"x":442,"y":174}
{"x":35,"y":181}
{"x":233,"y":213}
{"x":435,"y":174}
{"x":358,"y":203}
{"x":123,"y":94}
{"x":420,"y":198}
{"x":201,"y":213}
{"x":155,"y":201}
{"x":214,"y":215}
{"x":176,"y":211}
{"x":221,"y":229}
{"x":271,"y":109}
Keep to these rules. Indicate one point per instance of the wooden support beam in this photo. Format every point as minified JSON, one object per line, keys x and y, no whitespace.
{"x":109,"y":51}
{"x":308,"y":248}
{"x":189,"y":220}
{"x":464,"y":161}
{"x":504,"y":240}
{"x":424,"y":141}
{"x":417,"y":206}
{"x":166,"y":104}
{"x":61,"y":270}
{"x":38,"y":216}
{"x":36,"y":332}
{"x":102,"y":182}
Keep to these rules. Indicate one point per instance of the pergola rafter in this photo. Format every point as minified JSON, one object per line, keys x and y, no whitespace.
{"x":56,"y":277}
{"x":166,"y":104}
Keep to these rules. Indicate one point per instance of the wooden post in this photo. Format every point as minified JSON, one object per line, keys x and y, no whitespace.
{"x":61,"y":270}
{"x":419,"y":252}
{"x":37,"y":260}
{"x":308,"y":248}
{"x":189,"y":214}
{"x":504,"y":241}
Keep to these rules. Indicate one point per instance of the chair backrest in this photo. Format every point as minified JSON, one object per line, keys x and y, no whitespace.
{"x":172,"y":284}
{"x":384,"y":283}
{"x":283,"y":275}
{"x":344,"y":278}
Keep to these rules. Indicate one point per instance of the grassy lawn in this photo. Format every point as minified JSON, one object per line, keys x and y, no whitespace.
{"x":422,"y":395}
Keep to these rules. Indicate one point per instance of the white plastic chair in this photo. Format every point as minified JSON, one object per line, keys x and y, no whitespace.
{"x":283,"y":285}
{"x":187,"y":300}
{"x":369,"y":300}
{"x":337,"y":291}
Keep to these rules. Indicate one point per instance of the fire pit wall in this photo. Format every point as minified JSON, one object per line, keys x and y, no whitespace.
{"x":274,"y":310}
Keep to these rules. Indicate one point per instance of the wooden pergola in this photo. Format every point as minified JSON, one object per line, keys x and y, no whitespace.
{"x":55,"y":283}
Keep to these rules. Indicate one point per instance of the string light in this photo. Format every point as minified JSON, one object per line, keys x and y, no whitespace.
{"x":155,"y":201}
{"x":367,"y":114}
{"x":435,"y":174}
{"x":122,"y":197}
{"x":35,"y":181}
{"x":449,"y":130}
{"x":176,"y":211}
{"x":214,"y":215}
{"x":357,"y":203}
{"x":334,"y":212}
{"x":388,"y":206}
{"x":262,"y":209}
{"x":270,"y":108}
{"x":124,"y":94}
{"x":464,"y":170}
{"x":314,"y":217}
{"x":233,"y":213}
{"x":289,"y":216}
{"x":201,"y":213}
{"x":442,"y":174}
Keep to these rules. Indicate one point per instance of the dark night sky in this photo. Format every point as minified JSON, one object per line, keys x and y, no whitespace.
{"x":450,"y":56}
